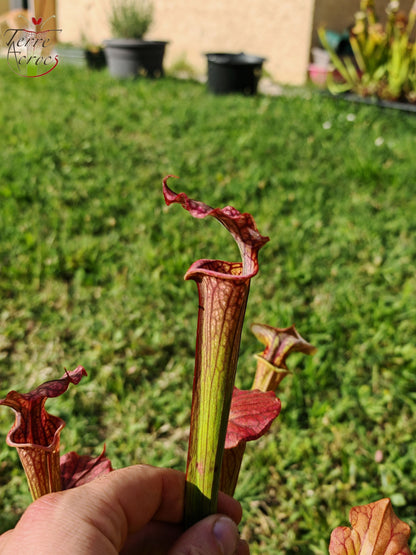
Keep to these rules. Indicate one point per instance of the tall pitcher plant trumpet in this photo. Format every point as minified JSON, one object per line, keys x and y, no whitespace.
{"x":223,"y":289}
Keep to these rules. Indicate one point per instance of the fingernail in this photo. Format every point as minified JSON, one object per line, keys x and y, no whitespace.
{"x":226,"y":533}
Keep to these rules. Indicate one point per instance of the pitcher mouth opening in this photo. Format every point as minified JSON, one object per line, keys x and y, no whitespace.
{"x":217,"y":268}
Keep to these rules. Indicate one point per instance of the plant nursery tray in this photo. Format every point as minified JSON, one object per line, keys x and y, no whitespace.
{"x":374,"y":101}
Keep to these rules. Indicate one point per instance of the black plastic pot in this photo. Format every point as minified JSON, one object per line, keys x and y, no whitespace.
{"x":229,"y":73}
{"x":95,"y":58}
{"x":133,"y":57}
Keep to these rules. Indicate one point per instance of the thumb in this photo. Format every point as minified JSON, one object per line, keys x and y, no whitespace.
{"x":214,"y":535}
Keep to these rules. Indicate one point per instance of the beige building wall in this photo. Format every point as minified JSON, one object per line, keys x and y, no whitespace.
{"x":282,"y":31}
{"x":83,"y":21}
{"x":275,"y":29}
{"x":4,"y":6}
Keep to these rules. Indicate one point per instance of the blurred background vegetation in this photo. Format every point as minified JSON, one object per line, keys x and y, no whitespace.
{"x":92,"y":265}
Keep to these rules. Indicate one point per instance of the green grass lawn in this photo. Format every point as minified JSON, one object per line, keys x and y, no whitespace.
{"x":92,"y":265}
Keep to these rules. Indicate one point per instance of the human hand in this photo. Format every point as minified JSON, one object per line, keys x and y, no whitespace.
{"x":132,"y":510}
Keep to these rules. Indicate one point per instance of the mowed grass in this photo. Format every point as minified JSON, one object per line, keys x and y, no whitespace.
{"x":92,"y":266}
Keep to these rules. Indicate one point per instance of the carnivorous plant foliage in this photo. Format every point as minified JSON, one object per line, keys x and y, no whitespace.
{"x":251,"y":415}
{"x":36,"y":436}
{"x":376,"y":530}
{"x":223,"y":289}
{"x":271,"y":363}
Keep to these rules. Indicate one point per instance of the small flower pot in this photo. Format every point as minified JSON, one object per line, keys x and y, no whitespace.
{"x":318,"y":75}
{"x":134,"y":57}
{"x":234,"y":73}
{"x":95,"y":58}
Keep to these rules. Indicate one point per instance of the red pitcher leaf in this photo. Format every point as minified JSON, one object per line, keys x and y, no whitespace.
{"x":251,"y":415}
{"x":376,"y":530}
{"x":222,"y":304}
{"x":33,"y":424}
{"x":230,"y":468}
{"x":77,"y":470}
{"x":271,"y":363}
{"x":36,"y":433}
{"x":280,"y":342}
{"x":223,"y":289}
{"x":241,"y":226}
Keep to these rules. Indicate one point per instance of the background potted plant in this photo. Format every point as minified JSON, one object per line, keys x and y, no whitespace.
{"x":383,"y":64}
{"x":94,"y":56}
{"x":233,"y":73}
{"x":127,"y":53}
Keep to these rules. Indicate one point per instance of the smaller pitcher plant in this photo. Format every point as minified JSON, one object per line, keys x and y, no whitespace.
{"x":36,"y":436}
{"x":271,"y":363}
{"x":271,"y":369}
{"x":376,"y":530}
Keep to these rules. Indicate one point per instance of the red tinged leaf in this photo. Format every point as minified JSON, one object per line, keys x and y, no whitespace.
{"x":223,"y":289}
{"x":230,"y":468}
{"x":271,"y":363}
{"x":77,"y":470}
{"x":280,"y":342}
{"x":33,"y":424}
{"x":36,"y":433}
{"x":251,"y":415}
{"x":241,"y":226}
{"x":376,"y":530}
